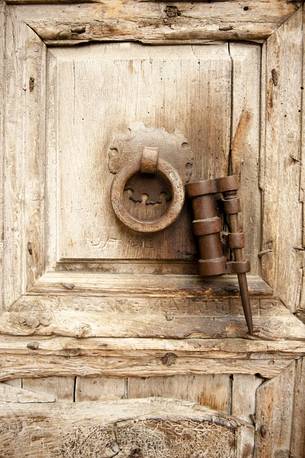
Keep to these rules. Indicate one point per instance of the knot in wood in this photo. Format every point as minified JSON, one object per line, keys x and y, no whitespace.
{"x":172,"y":11}
{"x":169,"y":359}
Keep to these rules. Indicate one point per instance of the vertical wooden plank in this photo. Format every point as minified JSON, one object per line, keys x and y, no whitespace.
{"x":302,"y":185}
{"x":100,"y":388}
{"x":15,"y":382}
{"x":24,"y":157}
{"x":244,"y":395}
{"x":13,"y":159}
{"x":2,"y":95}
{"x":213,"y":391}
{"x":62,"y":388}
{"x":245,"y":141}
{"x":274,"y":411}
{"x":298,"y":416}
{"x":282,"y":210}
{"x":34,"y":156}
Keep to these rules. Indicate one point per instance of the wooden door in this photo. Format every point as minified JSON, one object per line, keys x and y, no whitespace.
{"x":111,"y":344}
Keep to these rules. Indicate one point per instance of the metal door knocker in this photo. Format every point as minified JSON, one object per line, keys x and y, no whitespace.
{"x":215,"y":203}
{"x":149,"y":163}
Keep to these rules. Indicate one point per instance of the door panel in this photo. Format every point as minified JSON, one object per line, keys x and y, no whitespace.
{"x":96,"y":318}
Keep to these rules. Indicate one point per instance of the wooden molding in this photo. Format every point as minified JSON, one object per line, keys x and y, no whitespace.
{"x":153,"y":22}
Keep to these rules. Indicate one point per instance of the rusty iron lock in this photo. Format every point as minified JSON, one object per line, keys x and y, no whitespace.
{"x":149,"y":163}
{"x":212,"y":201}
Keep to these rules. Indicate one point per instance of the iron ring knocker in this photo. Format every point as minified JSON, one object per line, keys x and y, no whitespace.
{"x":149,"y":163}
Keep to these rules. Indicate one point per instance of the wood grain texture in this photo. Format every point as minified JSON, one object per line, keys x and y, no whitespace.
{"x":10,"y":393}
{"x":157,"y":22}
{"x":47,"y":357}
{"x":207,"y":348}
{"x":281,"y":261}
{"x":159,"y":317}
{"x":274,"y":413}
{"x":245,"y":141}
{"x":301,"y":250}
{"x":244,"y":395}
{"x":133,"y":86}
{"x":13,"y":159}
{"x":146,"y":285}
{"x":2,"y":91}
{"x":298,"y":417}
{"x":24,"y":165}
{"x":34,"y":164}
{"x":100,"y":388}
{"x":60,"y":388}
{"x":213,"y":391}
{"x":152,"y":427}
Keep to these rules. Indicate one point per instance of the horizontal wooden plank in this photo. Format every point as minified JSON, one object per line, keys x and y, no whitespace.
{"x":132,"y":347}
{"x":81,"y":316}
{"x":168,"y":427}
{"x":45,"y":357}
{"x":145,"y":284}
{"x":155,"y":22}
{"x":35,"y":365}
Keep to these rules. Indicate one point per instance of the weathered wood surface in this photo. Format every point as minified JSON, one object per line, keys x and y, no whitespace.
{"x":12,"y":261}
{"x":153,"y":427}
{"x":298,"y":414}
{"x":282,"y":256}
{"x":302,"y":185}
{"x":208,"y":348}
{"x":59,"y":388}
{"x":141,"y":366}
{"x":274,"y":415}
{"x":244,"y":388}
{"x":2,"y":91}
{"x":133,"y":86}
{"x":160,"y":317}
{"x":101,"y":388}
{"x":16,"y":394}
{"x":34,"y":156}
{"x":245,"y":141}
{"x":145,"y":285}
{"x":29,"y":358}
{"x":213,"y":391}
{"x":156,"y":22}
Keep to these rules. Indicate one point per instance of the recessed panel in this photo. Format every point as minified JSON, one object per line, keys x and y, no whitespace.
{"x":99,"y":91}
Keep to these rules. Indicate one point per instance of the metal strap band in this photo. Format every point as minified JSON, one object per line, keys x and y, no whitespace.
{"x":206,"y":226}
{"x":237,"y":267}
{"x":211,"y":267}
{"x":229,"y":183}
{"x":236,"y":240}
{"x":231,"y":206}
{"x":201,"y":188}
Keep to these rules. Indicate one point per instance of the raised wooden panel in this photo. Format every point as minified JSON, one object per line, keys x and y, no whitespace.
{"x":101,"y":91}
